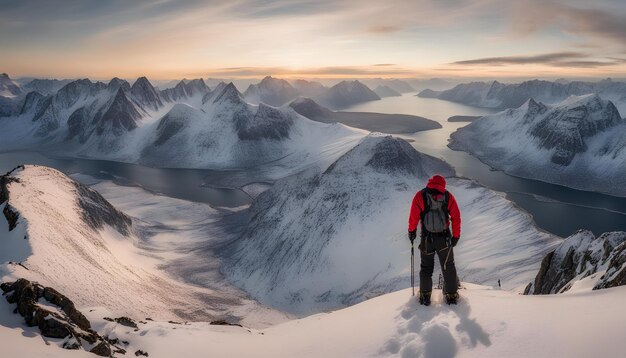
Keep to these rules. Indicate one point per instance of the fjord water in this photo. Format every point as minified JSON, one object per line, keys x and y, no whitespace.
{"x":187,"y":184}
{"x":557,"y":209}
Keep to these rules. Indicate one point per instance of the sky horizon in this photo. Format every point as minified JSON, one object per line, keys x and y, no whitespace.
{"x":167,"y":39}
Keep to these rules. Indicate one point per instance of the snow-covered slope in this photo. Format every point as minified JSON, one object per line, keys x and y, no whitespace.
{"x":486,"y":323}
{"x":580,"y":142}
{"x":499,"y":95}
{"x":322,"y":240}
{"x":272,"y":91}
{"x":65,"y":235}
{"x":346,"y":93}
{"x":583,"y":262}
{"x":386,"y":91}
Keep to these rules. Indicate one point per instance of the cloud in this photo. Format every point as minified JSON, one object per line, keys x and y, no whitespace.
{"x":606,"y":23}
{"x":557,"y":59}
{"x":280,"y":8}
{"x":522,"y":60}
{"x":339,"y":71}
{"x":382,"y":29}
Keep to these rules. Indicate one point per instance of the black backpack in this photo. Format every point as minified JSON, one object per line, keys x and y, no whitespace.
{"x":434,"y":217}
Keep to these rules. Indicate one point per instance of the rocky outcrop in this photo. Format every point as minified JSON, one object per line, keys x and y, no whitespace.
{"x":566,"y":129}
{"x":267,"y":123}
{"x":97,"y":211}
{"x":66,"y":322}
{"x":143,"y":91}
{"x":582,"y":256}
{"x":9,"y":213}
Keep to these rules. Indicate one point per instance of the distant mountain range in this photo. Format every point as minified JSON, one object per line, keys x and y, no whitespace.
{"x":499,"y":95}
{"x":188,"y":125}
{"x":579,"y":142}
{"x":277,"y":92}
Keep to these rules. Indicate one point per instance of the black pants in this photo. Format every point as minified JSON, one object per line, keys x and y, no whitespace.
{"x":431,"y":245}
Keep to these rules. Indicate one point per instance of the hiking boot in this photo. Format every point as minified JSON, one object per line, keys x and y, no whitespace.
{"x":425,"y":298}
{"x":451,"y":298}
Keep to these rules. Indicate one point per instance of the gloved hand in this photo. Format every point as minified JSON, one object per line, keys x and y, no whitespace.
{"x":455,"y":240}
{"x":412,"y":235}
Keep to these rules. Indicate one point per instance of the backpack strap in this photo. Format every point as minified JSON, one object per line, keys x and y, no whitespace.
{"x":425,"y":209}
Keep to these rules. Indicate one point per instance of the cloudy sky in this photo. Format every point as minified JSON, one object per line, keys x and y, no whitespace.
{"x":166,"y":39}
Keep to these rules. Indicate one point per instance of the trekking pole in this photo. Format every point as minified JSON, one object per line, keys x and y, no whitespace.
{"x":413,"y":268}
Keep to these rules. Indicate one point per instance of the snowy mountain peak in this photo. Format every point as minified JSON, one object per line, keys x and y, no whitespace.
{"x":566,"y":143}
{"x":268,"y":123}
{"x":565,"y":126}
{"x":143,"y":91}
{"x":387,"y":155}
{"x":117,"y":83}
{"x":272,"y":91}
{"x":228,"y":94}
{"x":9,"y":88}
{"x":386,"y":91}
{"x":185,"y":89}
{"x":118,"y":117}
{"x":347,"y":93}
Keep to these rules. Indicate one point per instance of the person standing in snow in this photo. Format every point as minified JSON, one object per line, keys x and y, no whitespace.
{"x":437,"y":210}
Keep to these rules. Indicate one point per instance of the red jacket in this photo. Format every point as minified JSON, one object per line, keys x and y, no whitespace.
{"x":417,"y":206}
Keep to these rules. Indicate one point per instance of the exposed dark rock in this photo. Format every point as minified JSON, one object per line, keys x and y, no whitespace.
{"x":76,"y":124}
{"x":102,"y":349}
{"x":223,"y":322}
{"x":125,"y":321}
{"x":54,"y":297}
{"x":185,"y":89}
{"x":97,"y":211}
{"x":119,"y":116}
{"x":68,"y":323}
{"x":580,"y":256}
{"x":143,"y":91}
{"x":141,"y":353}
{"x":310,"y":109}
{"x":267,"y":123}
{"x":9,"y":213}
{"x":32,"y":102}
